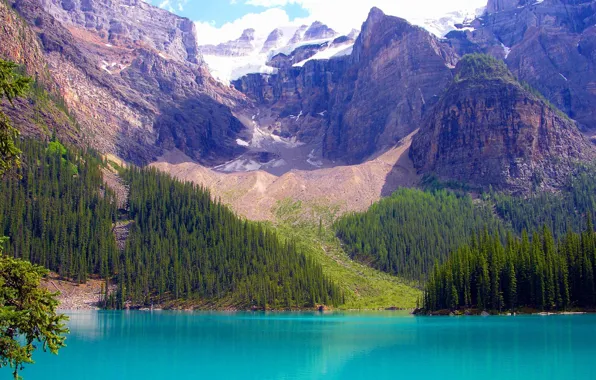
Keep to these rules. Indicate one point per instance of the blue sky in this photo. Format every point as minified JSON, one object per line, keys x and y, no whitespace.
{"x":219,"y":12}
{"x":224,"y":20}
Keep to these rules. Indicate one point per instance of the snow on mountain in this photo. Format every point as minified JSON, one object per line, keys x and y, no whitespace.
{"x":457,"y":20}
{"x":250,"y":53}
{"x":254,"y":49}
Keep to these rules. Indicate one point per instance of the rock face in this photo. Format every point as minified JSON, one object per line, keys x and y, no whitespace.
{"x":488,"y":130}
{"x":546,"y":44}
{"x":42,"y":112}
{"x":135,"y":89}
{"x":397,"y":72}
{"x":359,"y":103}
{"x":129,"y":23}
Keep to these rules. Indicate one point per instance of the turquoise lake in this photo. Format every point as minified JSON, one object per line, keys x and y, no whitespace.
{"x":177,"y":345}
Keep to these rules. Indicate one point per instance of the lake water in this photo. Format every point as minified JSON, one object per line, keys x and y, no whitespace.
{"x":172,"y":345}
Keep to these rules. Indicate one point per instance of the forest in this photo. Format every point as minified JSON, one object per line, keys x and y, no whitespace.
{"x":524,"y":272}
{"x":184,"y":245}
{"x":58,"y":213}
{"x":407,"y":232}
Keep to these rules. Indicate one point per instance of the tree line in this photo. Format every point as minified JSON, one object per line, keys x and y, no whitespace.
{"x":532,"y":272}
{"x":58,"y":213}
{"x":407,"y":232}
{"x":183,"y":245}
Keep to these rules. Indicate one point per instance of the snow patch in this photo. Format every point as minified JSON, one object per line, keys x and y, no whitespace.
{"x":563,"y":76}
{"x":332,"y":52}
{"x":443,"y":25}
{"x":239,"y":165}
{"x":312,"y":160}
{"x":228,"y":69}
{"x":506,"y":50}
{"x":242,"y":142}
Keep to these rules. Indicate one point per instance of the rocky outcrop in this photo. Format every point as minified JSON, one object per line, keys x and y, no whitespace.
{"x":397,"y":73}
{"x":134,"y":99}
{"x":42,"y":112}
{"x":546,"y":44}
{"x":488,"y":130}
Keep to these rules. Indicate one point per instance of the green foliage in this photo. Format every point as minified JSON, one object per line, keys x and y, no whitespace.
{"x":57,"y":220}
{"x":184,"y":245}
{"x":12,"y":85}
{"x":307,"y":224}
{"x":181,"y":245}
{"x":525,"y":272}
{"x":405,"y":233}
{"x":560,"y":212}
{"x":27,"y":314}
{"x":481,"y":67}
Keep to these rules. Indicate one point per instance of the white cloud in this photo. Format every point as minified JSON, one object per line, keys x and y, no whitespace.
{"x":341,"y":15}
{"x":271,"y":3}
{"x":263,"y":22}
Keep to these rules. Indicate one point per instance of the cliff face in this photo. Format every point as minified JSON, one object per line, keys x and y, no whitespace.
{"x":129,"y":23}
{"x":546,"y":44}
{"x":135,"y":88}
{"x":43,"y":111}
{"x":361,"y":102}
{"x":397,"y":72}
{"x":489,"y":130}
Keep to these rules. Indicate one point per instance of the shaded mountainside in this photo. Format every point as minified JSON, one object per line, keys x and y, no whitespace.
{"x":135,"y":88}
{"x":360,"y":103}
{"x":489,"y":130}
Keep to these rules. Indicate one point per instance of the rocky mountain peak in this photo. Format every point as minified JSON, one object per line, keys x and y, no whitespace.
{"x":247,"y":35}
{"x":298,"y":35}
{"x":234,"y":48}
{"x":273,"y":41}
{"x":489,"y":130}
{"x":375,"y":14}
{"x":378,"y":31}
{"x":318,"y":31}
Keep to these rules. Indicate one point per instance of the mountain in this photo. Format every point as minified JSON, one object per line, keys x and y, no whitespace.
{"x":44,"y":110}
{"x":359,"y":101}
{"x":254,"y":52}
{"x":132,"y":76}
{"x":489,"y":130}
{"x":396,"y":72}
{"x":548,"y":44}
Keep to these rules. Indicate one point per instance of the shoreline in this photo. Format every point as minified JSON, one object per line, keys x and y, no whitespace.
{"x":485,"y":313}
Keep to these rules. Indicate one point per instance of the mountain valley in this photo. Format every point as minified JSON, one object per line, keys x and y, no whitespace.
{"x":292,"y":140}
